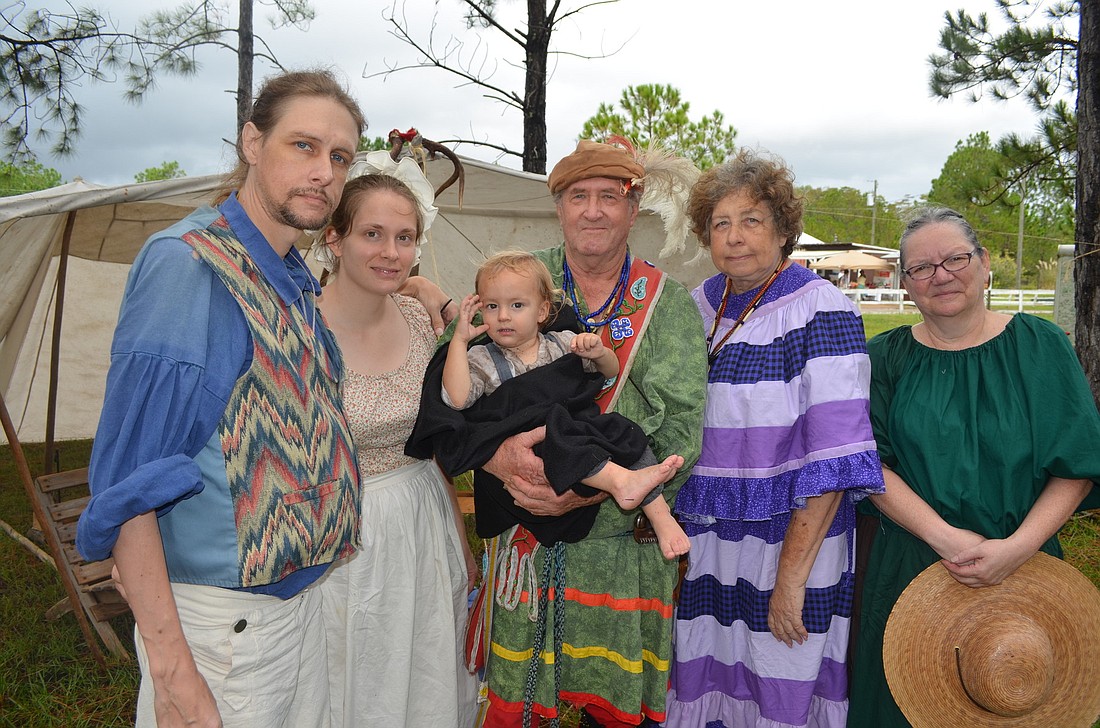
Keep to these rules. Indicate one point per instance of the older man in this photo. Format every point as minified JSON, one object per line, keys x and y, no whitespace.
{"x":223,"y":477}
{"x":609,"y":621}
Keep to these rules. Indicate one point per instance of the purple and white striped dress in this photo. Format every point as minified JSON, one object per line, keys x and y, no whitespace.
{"x":787,"y":418}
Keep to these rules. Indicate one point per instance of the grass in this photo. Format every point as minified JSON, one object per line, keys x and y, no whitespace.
{"x":875,"y":323}
{"x":49,"y":678}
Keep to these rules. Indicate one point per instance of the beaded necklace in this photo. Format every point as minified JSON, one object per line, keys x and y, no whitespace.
{"x":712,"y":353}
{"x":609,"y":307}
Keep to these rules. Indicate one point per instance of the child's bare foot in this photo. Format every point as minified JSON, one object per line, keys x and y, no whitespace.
{"x":670,"y":537}
{"x":630,"y":487}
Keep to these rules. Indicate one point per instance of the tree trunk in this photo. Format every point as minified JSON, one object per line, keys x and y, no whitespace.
{"x":534,"y":96}
{"x":1086,"y":269}
{"x":245,"y":50}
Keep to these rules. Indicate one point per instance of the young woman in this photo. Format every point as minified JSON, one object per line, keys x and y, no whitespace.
{"x":396,"y":610}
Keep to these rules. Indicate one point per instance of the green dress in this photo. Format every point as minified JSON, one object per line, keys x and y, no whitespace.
{"x":977,"y":434}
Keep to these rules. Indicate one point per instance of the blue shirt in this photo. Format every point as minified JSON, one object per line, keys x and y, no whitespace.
{"x":180,"y":345}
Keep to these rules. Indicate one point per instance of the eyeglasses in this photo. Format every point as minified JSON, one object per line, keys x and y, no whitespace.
{"x":954,"y":264}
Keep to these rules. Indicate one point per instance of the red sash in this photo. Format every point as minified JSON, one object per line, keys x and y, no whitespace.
{"x":622,"y":334}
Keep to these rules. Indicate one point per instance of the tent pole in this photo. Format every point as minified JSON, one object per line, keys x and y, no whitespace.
{"x":16,"y":448}
{"x":41,"y":517}
{"x":21,"y":465}
{"x":55,"y":345}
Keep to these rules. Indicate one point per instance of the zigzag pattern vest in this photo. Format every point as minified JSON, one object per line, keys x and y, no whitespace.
{"x":289,"y":458}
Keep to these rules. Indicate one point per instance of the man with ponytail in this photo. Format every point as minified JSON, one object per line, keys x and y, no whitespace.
{"x":223,"y":475}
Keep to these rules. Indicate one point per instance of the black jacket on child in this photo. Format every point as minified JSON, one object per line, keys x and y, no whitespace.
{"x":560,"y":395}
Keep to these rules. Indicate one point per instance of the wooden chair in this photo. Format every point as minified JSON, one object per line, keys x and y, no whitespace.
{"x":465,"y":503}
{"x":58,"y":500}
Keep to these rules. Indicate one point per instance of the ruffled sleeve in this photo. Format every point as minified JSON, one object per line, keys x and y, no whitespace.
{"x":1067,"y":435}
{"x":787,"y":409}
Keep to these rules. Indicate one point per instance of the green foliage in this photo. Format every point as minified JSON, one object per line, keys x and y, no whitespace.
{"x":655,"y":113}
{"x":48,"y":676}
{"x":1048,"y":164}
{"x":976,"y":181}
{"x":1037,"y":61}
{"x":167,"y":170}
{"x":366,"y":144}
{"x":45,"y":56}
{"x":1035,"y":57}
{"x":1003,"y":268}
{"x":16,"y":179}
{"x":183,"y":29}
{"x":844,"y":214}
{"x":974,"y":174}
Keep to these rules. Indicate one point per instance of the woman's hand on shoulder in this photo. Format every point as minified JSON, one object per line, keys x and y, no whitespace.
{"x":440,"y":307}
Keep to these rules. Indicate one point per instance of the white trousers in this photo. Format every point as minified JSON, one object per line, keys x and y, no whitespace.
{"x":264,"y":658}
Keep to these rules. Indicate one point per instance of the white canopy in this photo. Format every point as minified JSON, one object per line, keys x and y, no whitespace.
{"x":852,"y":260}
{"x":501,"y":209}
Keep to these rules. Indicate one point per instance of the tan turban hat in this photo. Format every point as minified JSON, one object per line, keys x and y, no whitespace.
{"x":592,"y":159}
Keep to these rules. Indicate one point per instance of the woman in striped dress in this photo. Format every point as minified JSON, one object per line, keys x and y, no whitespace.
{"x":762,"y":623}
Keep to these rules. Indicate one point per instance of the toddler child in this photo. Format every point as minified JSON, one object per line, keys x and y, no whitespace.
{"x":515,"y":295}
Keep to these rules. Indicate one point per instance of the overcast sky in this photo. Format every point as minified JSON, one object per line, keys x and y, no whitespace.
{"x":839,"y":89}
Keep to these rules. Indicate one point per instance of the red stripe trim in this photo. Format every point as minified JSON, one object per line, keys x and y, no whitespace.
{"x":588,"y":599}
{"x":499,"y":705}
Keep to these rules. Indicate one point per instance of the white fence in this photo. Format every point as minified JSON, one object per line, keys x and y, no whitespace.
{"x":1000,"y":299}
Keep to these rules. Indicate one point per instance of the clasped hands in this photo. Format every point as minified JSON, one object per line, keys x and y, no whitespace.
{"x":976,"y":561}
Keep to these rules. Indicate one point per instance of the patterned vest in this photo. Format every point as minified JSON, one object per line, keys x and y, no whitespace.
{"x":289,"y":458}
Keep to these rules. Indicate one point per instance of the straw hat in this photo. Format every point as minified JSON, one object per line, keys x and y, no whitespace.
{"x":1023,"y":653}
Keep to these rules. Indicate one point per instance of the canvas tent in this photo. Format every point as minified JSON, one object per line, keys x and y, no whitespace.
{"x":501,"y":208}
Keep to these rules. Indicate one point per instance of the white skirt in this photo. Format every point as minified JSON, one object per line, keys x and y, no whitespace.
{"x":395,"y":611}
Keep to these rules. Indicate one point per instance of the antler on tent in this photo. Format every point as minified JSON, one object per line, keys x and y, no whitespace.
{"x":422,"y":150}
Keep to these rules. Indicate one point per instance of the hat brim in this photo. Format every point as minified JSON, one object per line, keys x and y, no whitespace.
{"x":935,"y":610}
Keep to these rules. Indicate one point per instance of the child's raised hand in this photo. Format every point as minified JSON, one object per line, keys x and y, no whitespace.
{"x":464,"y":328}
{"x":587,"y":346}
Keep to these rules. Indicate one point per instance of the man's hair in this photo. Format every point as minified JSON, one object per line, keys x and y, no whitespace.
{"x":271,"y":103}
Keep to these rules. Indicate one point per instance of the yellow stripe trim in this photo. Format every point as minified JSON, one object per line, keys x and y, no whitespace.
{"x":580,"y":653}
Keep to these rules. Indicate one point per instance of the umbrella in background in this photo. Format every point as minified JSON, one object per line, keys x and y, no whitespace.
{"x":852,"y":260}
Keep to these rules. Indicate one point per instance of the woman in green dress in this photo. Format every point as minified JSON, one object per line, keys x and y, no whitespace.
{"x":988,"y":436}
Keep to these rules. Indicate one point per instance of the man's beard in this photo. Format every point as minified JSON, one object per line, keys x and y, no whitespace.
{"x":285,"y":214}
